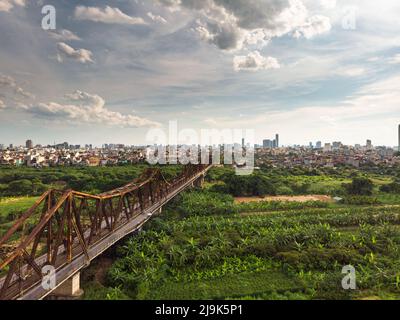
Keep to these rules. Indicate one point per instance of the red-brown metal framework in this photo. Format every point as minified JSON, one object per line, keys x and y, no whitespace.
{"x":68,"y":229}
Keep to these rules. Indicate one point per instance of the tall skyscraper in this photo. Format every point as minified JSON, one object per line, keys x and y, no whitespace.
{"x":29,"y":144}
{"x":267,"y":144}
{"x":319,"y":145}
{"x":271,"y":144}
{"x":369,"y":145}
{"x":327,"y":147}
{"x":399,"y":140}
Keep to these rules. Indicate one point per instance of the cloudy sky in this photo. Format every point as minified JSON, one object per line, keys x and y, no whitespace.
{"x":308,"y":69}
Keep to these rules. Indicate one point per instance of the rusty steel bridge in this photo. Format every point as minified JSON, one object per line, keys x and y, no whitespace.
{"x":68,"y":229}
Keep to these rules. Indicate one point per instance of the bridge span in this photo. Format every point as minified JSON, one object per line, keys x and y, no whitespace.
{"x":65,"y":231}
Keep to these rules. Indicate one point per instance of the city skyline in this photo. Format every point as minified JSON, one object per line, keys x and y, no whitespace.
{"x":311,"y":70}
{"x":318,"y":144}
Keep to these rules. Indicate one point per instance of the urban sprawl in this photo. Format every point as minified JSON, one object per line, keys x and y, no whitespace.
{"x":270,"y":153}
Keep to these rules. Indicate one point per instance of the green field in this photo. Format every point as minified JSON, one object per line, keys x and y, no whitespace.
{"x":207,"y":246}
{"x":11,"y":208}
{"x":284,"y":254}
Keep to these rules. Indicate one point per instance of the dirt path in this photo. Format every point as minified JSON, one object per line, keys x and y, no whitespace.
{"x":307,"y":198}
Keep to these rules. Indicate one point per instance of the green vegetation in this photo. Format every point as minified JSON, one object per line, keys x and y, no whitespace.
{"x":20,"y":186}
{"x":207,"y":246}
{"x":360,"y":186}
{"x":298,"y":181}
{"x":361,"y":200}
{"x":254,"y":185}
{"x":265,"y":206}
{"x":289,"y":254}
{"x":11,"y":209}
{"x":393,"y":187}
{"x":33,"y":182}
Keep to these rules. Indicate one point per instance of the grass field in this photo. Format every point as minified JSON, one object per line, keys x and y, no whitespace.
{"x":11,"y":209}
{"x":285,"y":254}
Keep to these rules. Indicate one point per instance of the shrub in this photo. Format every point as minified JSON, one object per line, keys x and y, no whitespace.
{"x":360,"y":186}
{"x":315,"y":258}
{"x":393,"y":187}
{"x":253,"y":185}
{"x":20,"y":187}
{"x":361,"y":200}
{"x":205,"y":203}
{"x":261,"y":206}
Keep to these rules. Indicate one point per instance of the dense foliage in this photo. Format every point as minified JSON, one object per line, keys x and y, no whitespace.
{"x":206,"y":245}
{"x":393,"y":187}
{"x":33,"y":182}
{"x":299,"y":181}
{"x":293,"y":254}
{"x":253,"y":185}
{"x":360,"y":186}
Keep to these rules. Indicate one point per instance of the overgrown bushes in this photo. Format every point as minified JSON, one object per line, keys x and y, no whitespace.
{"x":360,"y":200}
{"x":204,"y":203}
{"x":261,"y":206}
{"x":33,"y":182}
{"x":360,"y":186}
{"x":298,"y":246}
{"x":393,"y":187}
{"x":240,"y":186}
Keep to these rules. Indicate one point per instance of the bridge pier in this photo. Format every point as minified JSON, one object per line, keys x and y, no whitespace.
{"x":69,"y":290}
{"x":199,"y":182}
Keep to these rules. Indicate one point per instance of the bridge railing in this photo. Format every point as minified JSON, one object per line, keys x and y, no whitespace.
{"x":63,"y":225}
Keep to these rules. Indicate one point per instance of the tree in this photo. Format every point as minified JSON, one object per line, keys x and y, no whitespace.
{"x":20,"y":187}
{"x":393,"y":187}
{"x":360,"y":186}
{"x":261,"y":186}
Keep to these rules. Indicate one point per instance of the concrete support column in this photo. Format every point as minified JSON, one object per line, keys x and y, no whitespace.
{"x":70,"y":289}
{"x":199,"y":182}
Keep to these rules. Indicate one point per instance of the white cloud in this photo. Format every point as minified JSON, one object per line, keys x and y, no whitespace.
{"x":232,"y":24}
{"x":395,"y":59}
{"x":7,"y":5}
{"x":315,"y":25}
{"x":211,"y":122}
{"x":81,"y":55}
{"x":16,"y":92}
{"x":90,"y":109}
{"x":7,"y":81}
{"x":64,"y":35}
{"x":257,"y":37}
{"x":351,"y":71}
{"x":254,"y":61}
{"x":328,"y":4}
{"x":2,"y":104}
{"x":370,"y":112}
{"x":106,"y":15}
{"x":374,"y":59}
{"x":156,"y":18}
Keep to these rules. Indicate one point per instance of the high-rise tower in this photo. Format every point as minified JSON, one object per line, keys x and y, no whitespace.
{"x":29,"y":144}
{"x":398,"y":146}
